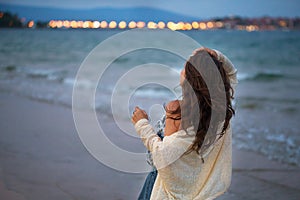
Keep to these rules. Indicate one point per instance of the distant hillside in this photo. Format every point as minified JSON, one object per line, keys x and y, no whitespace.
{"x":107,"y":13}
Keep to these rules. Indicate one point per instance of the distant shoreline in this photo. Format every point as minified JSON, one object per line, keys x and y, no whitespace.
{"x":119,"y":30}
{"x":11,"y":20}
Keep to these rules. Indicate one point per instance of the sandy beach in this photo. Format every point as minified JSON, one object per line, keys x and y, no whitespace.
{"x":42,"y":157}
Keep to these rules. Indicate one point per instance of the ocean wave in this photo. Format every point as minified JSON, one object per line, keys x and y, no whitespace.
{"x":261,"y":76}
{"x":243,"y":76}
{"x":277,"y":146}
{"x":49,"y":74}
{"x":86,"y":84}
{"x":264,"y":76}
{"x":46,"y":74}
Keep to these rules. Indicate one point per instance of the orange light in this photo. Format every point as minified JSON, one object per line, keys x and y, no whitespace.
{"x":195,"y":25}
{"x":103,"y":24}
{"x":1,"y":14}
{"x":96,"y":24}
{"x":179,"y":26}
{"x":140,"y":24}
{"x":151,"y":25}
{"x":112,"y":24}
{"x":59,"y":24}
{"x":66,"y":24}
{"x":79,"y":24}
{"x":52,"y":24}
{"x":282,"y":23}
{"x":171,"y":26}
{"x":132,"y":24}
{"x":91,"y":24}
{"x":73,"y":24}
{"x":251,"y":28}
{"x":187,"y":26}
{"x":219,"y":24}
{"x":210,"y":25}
{"x":202,"y":25}
{"x":122,"y":25}
{"x":85,"y":24}
{"x":30,"y":24}
{"x":161,"y":25}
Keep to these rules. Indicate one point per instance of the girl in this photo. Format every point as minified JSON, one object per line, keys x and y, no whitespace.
{"x":194,"y":160}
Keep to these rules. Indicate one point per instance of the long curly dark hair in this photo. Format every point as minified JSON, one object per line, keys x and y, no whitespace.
{"x":197,"y":104}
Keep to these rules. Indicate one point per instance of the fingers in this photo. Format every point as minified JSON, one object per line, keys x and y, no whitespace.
{"x":138,"y":114}
{"x":134,"y":119}
{"x":137,"y":108}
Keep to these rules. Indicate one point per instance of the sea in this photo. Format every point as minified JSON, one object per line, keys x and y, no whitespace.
{"x":41,"y":64}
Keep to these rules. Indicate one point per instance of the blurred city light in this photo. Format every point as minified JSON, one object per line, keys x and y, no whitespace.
{"x":185,"y":26}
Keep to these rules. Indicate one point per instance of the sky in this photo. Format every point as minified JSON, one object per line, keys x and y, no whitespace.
{"x":197,"y":8}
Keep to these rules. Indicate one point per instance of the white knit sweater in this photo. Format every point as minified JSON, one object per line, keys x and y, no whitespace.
{"x":185,"y":176}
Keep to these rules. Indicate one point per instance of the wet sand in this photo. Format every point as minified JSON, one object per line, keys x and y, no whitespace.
{"x":42,"y":157}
